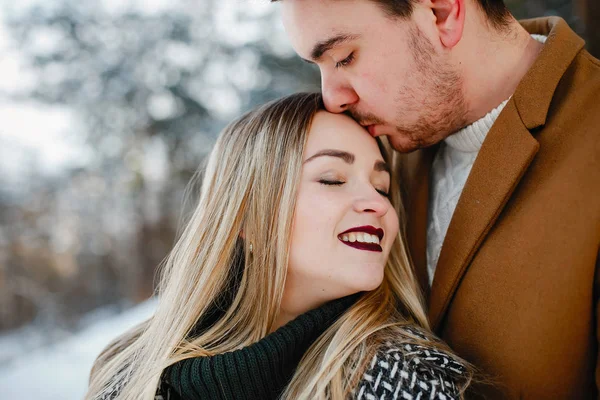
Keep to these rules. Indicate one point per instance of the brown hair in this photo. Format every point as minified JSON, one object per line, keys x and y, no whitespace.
{"x":495,"y":10}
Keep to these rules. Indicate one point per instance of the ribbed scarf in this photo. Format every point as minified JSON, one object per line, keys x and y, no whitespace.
{"x":259,"y":371}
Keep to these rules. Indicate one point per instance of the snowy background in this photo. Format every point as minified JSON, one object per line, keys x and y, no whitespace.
{"x":60,"y":371}
{"x":107,"y":107}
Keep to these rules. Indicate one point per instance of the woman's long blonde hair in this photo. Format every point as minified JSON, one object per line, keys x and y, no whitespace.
{"x":249,"y":190}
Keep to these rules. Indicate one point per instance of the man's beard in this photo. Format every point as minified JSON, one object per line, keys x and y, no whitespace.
{"x":437,"y":100}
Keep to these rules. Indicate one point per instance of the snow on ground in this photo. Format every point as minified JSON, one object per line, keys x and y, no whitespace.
{"x":61,"y":371}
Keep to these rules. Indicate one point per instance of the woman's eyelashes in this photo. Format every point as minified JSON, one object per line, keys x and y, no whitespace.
{"x":337,"y":182}
{"x":331,"y":182}
{"x":384,"y":193}
{"x":346,"y":61}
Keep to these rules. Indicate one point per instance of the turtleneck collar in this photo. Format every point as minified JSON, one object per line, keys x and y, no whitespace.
{"x":470,"y":138}
{"x":261,"y":370}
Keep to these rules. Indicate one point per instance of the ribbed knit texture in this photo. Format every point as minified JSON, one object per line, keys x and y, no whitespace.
{"x":450,"y":169}
{"x":261,"y":370}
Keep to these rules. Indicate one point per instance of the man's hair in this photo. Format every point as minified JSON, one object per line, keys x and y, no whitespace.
{"x":496,"y":11}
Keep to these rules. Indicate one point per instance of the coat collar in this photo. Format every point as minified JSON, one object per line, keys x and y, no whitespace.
{"x":502,"y":161}
{"x":536,"y":90}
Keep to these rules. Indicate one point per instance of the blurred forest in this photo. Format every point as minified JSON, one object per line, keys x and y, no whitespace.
{"x":142,"y":91}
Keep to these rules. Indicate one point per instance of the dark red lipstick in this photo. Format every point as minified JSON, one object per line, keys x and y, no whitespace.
{"x":371,"y":230}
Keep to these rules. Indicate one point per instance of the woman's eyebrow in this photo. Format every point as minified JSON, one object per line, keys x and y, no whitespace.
{"x":348,"y":158}
{"x":382,"y":166}
{"x":344,"y":155}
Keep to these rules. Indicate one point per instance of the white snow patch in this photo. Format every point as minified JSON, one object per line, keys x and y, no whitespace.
{"x":61,"y":371}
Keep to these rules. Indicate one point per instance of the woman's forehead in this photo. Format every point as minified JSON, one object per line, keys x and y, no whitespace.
{"x":340,"y":132}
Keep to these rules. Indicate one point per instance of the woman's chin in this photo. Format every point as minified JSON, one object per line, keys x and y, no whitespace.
{"x":372,"y":286}
{"x":368,"y":282}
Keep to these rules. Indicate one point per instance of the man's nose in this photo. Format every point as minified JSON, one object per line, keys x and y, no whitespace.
{"x":338,"y":95}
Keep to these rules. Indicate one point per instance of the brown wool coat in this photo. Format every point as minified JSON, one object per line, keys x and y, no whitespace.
{"x":516,"y":288}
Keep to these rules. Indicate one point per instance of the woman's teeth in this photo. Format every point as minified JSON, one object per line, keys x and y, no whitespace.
{"x":360,"y":237}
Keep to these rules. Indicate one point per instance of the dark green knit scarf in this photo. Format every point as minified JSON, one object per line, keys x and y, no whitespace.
{"x":260,"y":371}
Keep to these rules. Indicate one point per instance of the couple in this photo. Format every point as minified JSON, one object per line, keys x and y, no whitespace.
{"x":302,"y":275}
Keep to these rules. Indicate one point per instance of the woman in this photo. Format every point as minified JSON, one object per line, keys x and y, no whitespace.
{"x":291,"y":279}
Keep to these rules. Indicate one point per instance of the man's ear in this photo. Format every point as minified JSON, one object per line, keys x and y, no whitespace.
{"x":450,"y":20}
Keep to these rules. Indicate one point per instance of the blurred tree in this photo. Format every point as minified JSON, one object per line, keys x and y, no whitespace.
{"x":153,"y":89}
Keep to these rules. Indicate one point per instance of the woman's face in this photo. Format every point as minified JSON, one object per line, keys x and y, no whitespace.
{"x":344,"y":224}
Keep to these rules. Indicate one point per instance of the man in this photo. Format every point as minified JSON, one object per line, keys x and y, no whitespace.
{"x":502,"y":123}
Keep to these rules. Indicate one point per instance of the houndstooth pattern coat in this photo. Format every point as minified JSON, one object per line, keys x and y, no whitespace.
{"x":411,"y":371}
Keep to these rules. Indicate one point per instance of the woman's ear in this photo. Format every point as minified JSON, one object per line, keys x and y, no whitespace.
{"x":450,"y":20}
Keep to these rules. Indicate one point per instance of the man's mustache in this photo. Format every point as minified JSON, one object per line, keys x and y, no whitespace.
{"x":364,"y":119}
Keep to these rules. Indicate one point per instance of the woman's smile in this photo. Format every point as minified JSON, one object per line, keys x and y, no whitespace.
{"x":363,"y":238}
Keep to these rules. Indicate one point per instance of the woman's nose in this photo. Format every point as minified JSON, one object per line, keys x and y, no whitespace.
{"x":371,"y":201}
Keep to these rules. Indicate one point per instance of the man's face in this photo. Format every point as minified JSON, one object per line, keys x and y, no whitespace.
{"x":390,"y":74}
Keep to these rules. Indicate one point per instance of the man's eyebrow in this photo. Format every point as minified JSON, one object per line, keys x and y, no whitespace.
{"x":344,"y":155}
{"x":322,"y":47}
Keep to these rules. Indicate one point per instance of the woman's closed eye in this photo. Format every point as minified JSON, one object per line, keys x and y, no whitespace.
{"x":331,"y":182}
{"x":384,"y":193}
{"x":336,"y":182}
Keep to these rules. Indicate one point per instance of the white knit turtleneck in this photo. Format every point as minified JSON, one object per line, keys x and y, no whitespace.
{"x":450,"y":170}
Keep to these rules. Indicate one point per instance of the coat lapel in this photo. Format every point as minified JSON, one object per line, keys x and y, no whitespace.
{"x":502,"y":161}
{"x":506,"y":154}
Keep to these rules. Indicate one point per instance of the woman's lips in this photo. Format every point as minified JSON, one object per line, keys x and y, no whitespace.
{"x":368,"y":229}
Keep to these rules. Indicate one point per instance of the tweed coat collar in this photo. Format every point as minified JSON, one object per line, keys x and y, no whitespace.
{"x":503,"y":160}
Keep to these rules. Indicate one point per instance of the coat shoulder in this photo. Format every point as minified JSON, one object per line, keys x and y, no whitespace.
{"x":408,"y":370}
{"x":579,"y":89}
